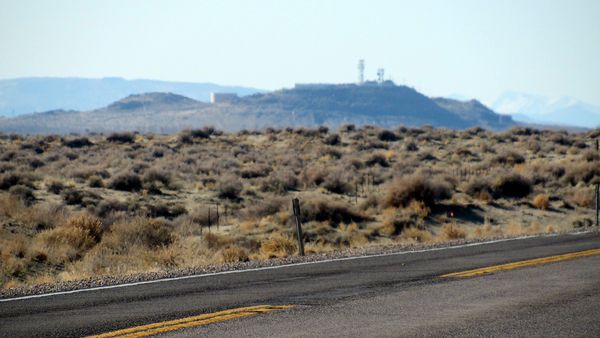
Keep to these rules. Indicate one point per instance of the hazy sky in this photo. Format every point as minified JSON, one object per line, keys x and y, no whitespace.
{"x":475,"y":48}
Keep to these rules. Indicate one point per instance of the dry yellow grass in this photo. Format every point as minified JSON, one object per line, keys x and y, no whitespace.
{"x":450,"y":231}
{"x":416,"y":235}
{"x":277,"y":246}
{"x":233,"y":254}
{"x":487,"y":231}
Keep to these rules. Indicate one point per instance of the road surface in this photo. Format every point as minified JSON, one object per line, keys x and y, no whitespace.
{"x":552,"y":290}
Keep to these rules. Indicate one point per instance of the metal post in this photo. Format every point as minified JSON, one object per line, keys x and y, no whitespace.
{"x":217,"y":216}
{"x":296,"y":208}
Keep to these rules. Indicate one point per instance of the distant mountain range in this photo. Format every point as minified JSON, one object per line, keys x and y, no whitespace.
{"x":331,"y":105}
{"x":532,"y":108}
{"x":39,"y":94}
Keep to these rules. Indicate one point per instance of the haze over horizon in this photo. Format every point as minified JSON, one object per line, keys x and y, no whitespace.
{"x":477,"y":49}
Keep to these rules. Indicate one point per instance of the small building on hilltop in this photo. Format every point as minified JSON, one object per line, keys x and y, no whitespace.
{"x":223,"y":97}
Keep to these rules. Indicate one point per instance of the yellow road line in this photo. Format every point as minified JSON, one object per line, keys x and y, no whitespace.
{"x":177,"y":324}
{"x":521,"y":264}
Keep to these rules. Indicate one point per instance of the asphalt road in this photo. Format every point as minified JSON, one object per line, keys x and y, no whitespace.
{"x":391,"y":295}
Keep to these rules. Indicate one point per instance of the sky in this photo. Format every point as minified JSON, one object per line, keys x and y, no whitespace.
{"x":477,"y":49}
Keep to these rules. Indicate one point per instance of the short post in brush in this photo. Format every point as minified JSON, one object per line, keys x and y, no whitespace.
{"x":296,"y":208}
{"x":218,"y":216}
{"x":209,"y":219}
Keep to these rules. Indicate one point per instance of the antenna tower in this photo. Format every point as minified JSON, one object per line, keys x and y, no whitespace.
{"x":380,"y":73}
{"x":361,"y":71}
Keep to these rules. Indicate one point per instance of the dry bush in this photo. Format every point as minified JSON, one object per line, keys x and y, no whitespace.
{"x":23,"y":193}
{"x":230,"y":187}
{"x":255,"y":171}
{"x":508,"y":158}
{"x":279,"y":182}
{"x":337,"y":183}
{"x":166,"y":210}
{"x":583,"y":197}
{"x":188,"y":136}
{"x":332,"y":152}
{"x":419,"y":209}
{"x":348,"y":128}
{"x":161,"y":176}
{"x":268,"y":206}
{"x":149,"y":233}
{"x":69,"y":241}
{"x":234,"y":254}
{"x":320,"y":209}
{"x":73,"y":196}
{"x":216,"y":241}
{"x":107,"y":207}
{"x":479,"y":187}
{"x":83,"y":173}
{"x":123,"y":137}
{"x":277,"y":246}
{"x":541,"y":201}
{"x":588,"y":173}
{"x":487,"y":231}
{"x":416,"y":234}
{"x":411,"y":146}
{"x":402,"y":191}
{"x":126,"y":182}
{"x":395,"y":222}
{"x":332,"y":140}
{"x":387,"y":136}
{"x":561,"y":139}
{"x":451,"y":231}
{"x":348,"y":235}
{"x":78,"y":142}
{"x":9,"y":180}
{"x":323,"y":129}
{"x":313,"y":175}
{"x":35,"y":217}
{"x":512,"y":185}
{"x":36,"y":163}
{"x":371,"y":202}
{"x":377,"y":159}
{"x":591,"y":156}
{"x":515,"y":229}
{"x":95,"y":182}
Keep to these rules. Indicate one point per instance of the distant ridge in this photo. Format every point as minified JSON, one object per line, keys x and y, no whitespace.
{"x":331,"y":105}
{"x":39,"y":94}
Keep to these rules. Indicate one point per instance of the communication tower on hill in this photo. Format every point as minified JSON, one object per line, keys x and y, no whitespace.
{"x":380,"y":74}
{"x":361,"y":71}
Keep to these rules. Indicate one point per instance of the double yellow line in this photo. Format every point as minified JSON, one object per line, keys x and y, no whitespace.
{"x":522,"y":264}
{"x":182,"y":323}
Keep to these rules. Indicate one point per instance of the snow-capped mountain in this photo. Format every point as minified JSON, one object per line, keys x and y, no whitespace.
{"x":540,"y":109}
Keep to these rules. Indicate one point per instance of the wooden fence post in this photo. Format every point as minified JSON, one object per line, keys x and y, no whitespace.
{"x":296,"y":208}
{"x":209,"y":219}
{"x":217,"y":216}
